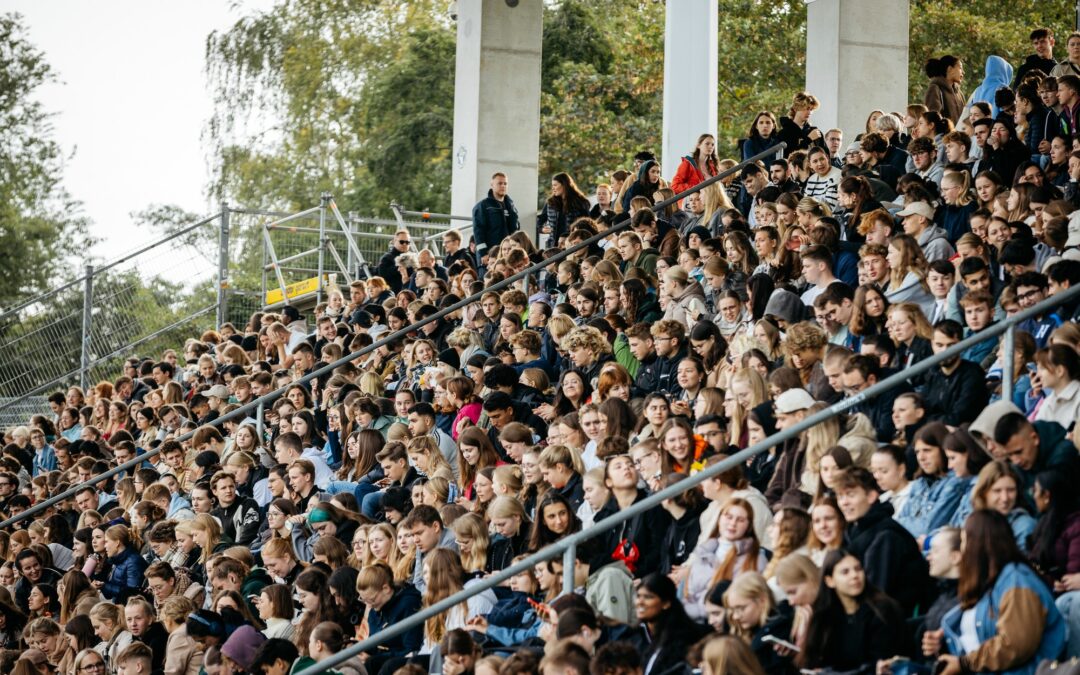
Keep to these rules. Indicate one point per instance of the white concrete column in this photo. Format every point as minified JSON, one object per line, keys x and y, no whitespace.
{"x":497,"y":103}
{"x":856,"y":60}
{"x":690,"y":78}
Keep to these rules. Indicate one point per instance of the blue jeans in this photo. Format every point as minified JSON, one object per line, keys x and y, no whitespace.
{"x":1069,"y":606}
{"x":339,"y":486}
{"x":369,"y":497}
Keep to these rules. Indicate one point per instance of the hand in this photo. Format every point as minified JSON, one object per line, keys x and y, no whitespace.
{"x":678,"y":574}
{"x":478,"y":624}
{"x":814,"y":134}
{"x":931,"y":642}
{"x":545,"y":411}
{"x":98,"y":584}
{"x":463,"y":424}
{"x":1044,"y":147}
{"x":298,"y":518}
{"x":484,"y":261}
{"x":680,"y":408}
{"x":951,"y":667}
{"x":1070,"y":582}
{"x":1036,"y":385}
{"x":883,"y":667}
{"x":465,"y":503}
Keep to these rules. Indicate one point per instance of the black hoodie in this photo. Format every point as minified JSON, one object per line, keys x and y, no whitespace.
{"x":890,"y":556}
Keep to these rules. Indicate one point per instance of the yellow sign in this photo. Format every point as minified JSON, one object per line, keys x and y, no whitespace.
{"x":304,"y":287}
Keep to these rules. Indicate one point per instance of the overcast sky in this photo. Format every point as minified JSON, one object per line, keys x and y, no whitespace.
{"x":131,"y":102}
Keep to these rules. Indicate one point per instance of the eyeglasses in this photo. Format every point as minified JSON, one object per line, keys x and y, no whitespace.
{"x":92,"y":667}
{"x":403,"y":242}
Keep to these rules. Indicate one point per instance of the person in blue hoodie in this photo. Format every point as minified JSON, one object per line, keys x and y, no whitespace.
{"x":936,"y":492}
{"x":998,"y":489}
{"x":1014,"y":620}
{"x":998,"y":74}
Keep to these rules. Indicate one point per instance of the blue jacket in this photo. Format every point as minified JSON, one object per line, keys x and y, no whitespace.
{"x":955,"y":220}
{"x":404,"y":603}
{"x":44,"y":460}
{"x":1014,"y":637}
{"x":1022,"y":525}
{"x":931,"y":505}
{"x":998,"y":74}
{"x":126,"y":577}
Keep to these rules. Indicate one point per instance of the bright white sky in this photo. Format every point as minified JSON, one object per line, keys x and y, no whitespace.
{"x":131,"y":102}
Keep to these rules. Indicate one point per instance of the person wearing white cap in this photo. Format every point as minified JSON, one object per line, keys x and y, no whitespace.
{"x":918,"y":218}
{"x":792,"y":407}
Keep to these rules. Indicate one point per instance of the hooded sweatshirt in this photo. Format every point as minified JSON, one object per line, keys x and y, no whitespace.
{"x":935,"y":244}
{"x":911,"y":290}
{"x":998,"y":74}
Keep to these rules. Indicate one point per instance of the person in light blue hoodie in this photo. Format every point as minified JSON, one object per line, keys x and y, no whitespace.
{"x":998,"y":74}
{"x":936,"y":492}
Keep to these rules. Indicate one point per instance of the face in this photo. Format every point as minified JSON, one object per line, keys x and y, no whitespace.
{"x":677,"y":443}
{"x":900,"y":327}
{"x":1001,"y":496}
{"x":557,"y":518}
{"x":855,"y":502}
{"x":485,"y":491}
{"x":848,"y":578}
{"x":138,"y":621}
{"x":734,"y":523}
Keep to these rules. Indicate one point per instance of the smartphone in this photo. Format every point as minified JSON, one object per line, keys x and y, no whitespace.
{"x":783,"y":643}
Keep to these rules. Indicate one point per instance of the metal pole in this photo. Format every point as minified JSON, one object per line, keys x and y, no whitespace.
{"x":260,"y":415}
{"x":223,"y":267}
{"x":1007,"y":374}
{"x":87,"y":327}
{"x":262,"y":298}
{"x":568,"y":560}
{"x":322,"y":245}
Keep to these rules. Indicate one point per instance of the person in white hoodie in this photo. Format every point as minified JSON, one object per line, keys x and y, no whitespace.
{"x":918,"y":219}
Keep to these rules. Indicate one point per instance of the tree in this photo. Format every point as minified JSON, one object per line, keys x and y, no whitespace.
{"x":40,"y":224}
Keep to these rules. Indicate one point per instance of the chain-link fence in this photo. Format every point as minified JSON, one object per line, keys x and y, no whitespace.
{"x":148,"y":298}
{"x":18,"y":411}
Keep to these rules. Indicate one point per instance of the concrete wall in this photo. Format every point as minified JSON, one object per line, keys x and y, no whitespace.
{"x":856,"y":60}
{"x":690,"y":78}
{"x":497,"y":102}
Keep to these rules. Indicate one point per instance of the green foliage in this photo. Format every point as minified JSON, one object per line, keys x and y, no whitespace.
{"x":40,"y":225}
{"x":976,"y":29}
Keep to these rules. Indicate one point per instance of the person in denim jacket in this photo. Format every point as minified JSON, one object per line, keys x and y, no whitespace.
{"x":936,"y":492}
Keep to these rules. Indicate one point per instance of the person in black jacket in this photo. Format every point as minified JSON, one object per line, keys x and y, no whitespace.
{"x":658,"y":374}
{"x":1042,"y":41}
{"x":888,"y":552}
{"x":565,"y":205}
{"x":1004,"y":151}
{"x":955,"y":391}
{"x":388,"y":604}
{"x":666,"y":632}
{"x":639,"y":541}
{"x":494,"y":218}
{"x":388,"y":267}
{"x":796,"y":130}
{"x":240,"y":516}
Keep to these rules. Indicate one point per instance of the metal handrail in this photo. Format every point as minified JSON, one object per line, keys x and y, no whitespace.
{"x":328,"y":369}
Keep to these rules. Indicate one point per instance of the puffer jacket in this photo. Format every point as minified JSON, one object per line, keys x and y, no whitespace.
{"x":127,"y":576}
{"x":1017,"y":623}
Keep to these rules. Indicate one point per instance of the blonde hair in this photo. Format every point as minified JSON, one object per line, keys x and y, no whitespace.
{"x":471,"y":526}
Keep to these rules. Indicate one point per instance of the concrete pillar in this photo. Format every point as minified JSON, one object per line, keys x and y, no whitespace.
{"x":690,"y":78}
{"x":497,"y":103}
{"x":856,"y":60}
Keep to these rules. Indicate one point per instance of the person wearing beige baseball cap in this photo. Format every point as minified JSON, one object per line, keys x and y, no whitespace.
{"x":685,"y":297}
{"x":918,"y":219}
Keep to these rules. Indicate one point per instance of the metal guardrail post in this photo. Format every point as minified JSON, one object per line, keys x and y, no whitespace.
{"x":223,"y":267}
{"x":323,"y":202}
{"x":260,"y":416}
{"x":568,"y":561}
{"x":1007,"y":374}
{"x":87,"y":327}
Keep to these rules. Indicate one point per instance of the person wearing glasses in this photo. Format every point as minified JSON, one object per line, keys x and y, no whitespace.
{"x":388,"y":264}
{"x":89,"y":662}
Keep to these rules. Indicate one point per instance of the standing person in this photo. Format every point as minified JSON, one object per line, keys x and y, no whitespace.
{"x":494,"y":218}
{"x":1042,"y":41}
{"x":795,"y":129}
{"x":763,"y":135}
{"x":943,"y":93}
{"x":697,"y":166}
{"x":1006,"y":620}
{"x":565,"y":205}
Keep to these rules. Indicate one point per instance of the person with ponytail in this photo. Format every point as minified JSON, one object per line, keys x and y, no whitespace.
{"x":943,"y":93}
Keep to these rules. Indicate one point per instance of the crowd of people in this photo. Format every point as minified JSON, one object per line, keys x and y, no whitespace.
{"x":932,"y":528}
